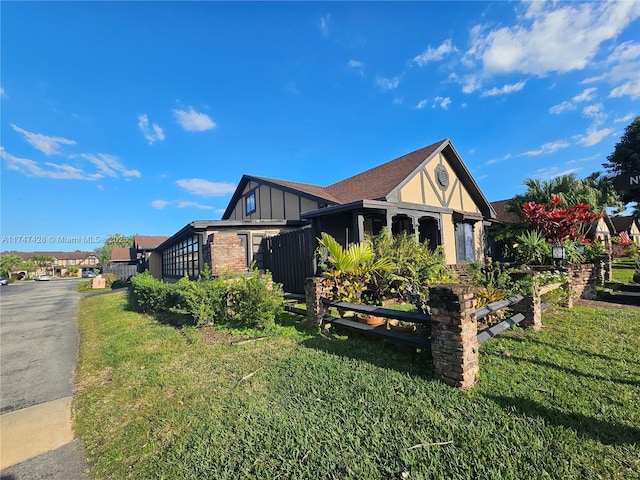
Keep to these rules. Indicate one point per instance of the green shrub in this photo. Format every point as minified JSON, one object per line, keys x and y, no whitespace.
{"x":572,"y":255}
{"x":109,"y":278}
{"x":85,"y":286}
{"x":532,"y":248}
{"x":205,"y":299}
{"x":416,"y":266}
{"x":151,"y":295}
{"x":119,"y":283}
{"x":254,"y":301}
{"x":594,"y":252}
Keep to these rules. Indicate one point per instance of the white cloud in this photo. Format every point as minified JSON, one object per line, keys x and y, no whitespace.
{"x":435,"y":54}
{"x":46,"y":144}
{"x":398,"y":101}
{"x":193,"y":121}
{"x":625,"y":52}
{"x":550,"y":37}
{"x":631,"y":89}
{"x":624,"y":119}
{"x":422,"y":103}
{"x":152,"y":133}
{"x":586,"y":95}
{"x":205,"y":188}
{"x":553,"y":172}
{"x":324,"y":25}
{"x":497,"y":160}
{"x":505,"y":90}
{"x":443,"y":102}
{"x":193,"y":205}
{"x":54,"y":171}
{"x":546,"y":148}
{"x":357,"y":66}
{"x":2,"y":92}
{"x":562,"y":107}
{"x":593,"y":136}
{"x":159,"y":204}
{"x":109,"y":165}
{"x":388,"y":83}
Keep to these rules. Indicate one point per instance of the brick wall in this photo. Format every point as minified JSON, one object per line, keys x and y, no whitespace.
{"x":582,"y":282}
{"x":225,"y":253}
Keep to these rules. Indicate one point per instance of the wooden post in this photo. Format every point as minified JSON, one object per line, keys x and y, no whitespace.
{"x":454,"y":334}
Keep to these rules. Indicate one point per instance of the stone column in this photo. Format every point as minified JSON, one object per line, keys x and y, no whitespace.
{"x":454,"y":334}
{"x":314,"y":291}
{"x":530,"y":305}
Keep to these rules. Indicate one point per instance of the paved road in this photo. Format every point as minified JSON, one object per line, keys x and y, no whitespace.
{"x":38,"y":351}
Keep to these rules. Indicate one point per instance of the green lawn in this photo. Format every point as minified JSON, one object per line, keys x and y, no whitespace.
{"x":154,"y":401}
{"x":623,"y":269}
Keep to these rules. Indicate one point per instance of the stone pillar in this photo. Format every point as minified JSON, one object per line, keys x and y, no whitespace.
{"x":530,"y":306}
{"x":454,"y":334}
{"x":607,"y":262}
{"x":314,"y":291}
{"x":582,"y":282}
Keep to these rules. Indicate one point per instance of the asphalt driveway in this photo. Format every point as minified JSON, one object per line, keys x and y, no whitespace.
{"x":38,"y":349}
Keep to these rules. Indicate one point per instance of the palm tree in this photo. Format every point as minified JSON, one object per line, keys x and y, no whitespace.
{"x":595,"y":190}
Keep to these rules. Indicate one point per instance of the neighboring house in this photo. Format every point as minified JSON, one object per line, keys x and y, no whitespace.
{"x":85,"y":261}
{"x":428,"y":193}
{"x":123,"y":256}
{"x":627,"y":224}
{"x":149,"y":258}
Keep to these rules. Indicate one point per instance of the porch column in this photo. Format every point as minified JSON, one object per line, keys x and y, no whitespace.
{"x":358,"y":226}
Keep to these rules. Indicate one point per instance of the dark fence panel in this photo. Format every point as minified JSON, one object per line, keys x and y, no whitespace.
{"x":290,"y":258}
{"x":121,"y":271}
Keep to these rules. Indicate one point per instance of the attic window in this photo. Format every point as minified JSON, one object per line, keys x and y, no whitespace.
{"x":250,"y":203}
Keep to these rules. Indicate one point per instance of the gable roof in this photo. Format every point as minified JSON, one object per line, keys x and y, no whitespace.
{"x":123,"y":254}
{"x":147,"y":242}
{"x":622,"y":224}
{"x":377,"y":183}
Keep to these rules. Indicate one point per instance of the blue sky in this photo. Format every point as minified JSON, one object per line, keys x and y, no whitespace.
{"x":141,"y":117}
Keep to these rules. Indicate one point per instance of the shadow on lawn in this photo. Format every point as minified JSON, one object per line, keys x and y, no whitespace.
{"x":383,"y":354}
{"x":575,"y":351}
{"x":608,"y":433}
{"x":577,"y":373}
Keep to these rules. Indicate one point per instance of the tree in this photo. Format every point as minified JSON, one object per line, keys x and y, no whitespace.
{"x":42,"y":261}
{"x":625,"y":159}
{"x":595,"y":190}
{"x":8,"y":262}
{"x":116,"y":240}
{"x":559,"y":224}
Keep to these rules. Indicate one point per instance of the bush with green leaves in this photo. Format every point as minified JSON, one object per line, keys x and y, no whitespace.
{"x":532,"y":248}
{"x":415,"y":267}
{"x":152,"y":295}
{"x":254,"y":301}
{"x":594,"y":252}
{"x":205,"y":299}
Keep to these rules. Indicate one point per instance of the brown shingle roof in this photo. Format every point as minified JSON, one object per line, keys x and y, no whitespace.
{"x":622,"y":224}
{"x":376,"y":183}
{"x":148,"y":242}
{"x":77,"y":255}
{"x":502,"y":215}
{"x":123,"y":254}
{"x":314,"y":190}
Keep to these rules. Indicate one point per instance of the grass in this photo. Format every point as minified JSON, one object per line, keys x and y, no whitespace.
{"x":623,"y":269}
{"x":154,"y":401}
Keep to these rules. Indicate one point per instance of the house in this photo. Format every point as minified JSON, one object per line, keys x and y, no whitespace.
{"x":428,"y":193}
{"x":84,"y":261}
{"x":627,"y":224}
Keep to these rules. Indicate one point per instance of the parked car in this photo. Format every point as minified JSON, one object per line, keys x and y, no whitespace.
{"x":43,"y":278}
{"x":89,"y":274}
{"x":4,"y":281}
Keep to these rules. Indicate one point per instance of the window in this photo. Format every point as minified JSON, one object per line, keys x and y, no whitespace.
{"x":182,"y":258}
{"x":250,"y":202}
{"x":465,"y":244}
